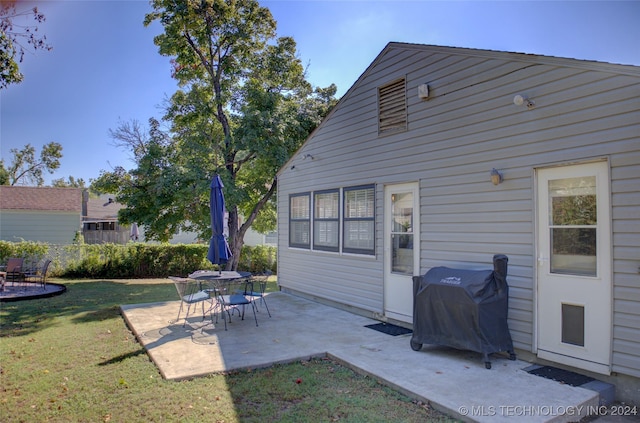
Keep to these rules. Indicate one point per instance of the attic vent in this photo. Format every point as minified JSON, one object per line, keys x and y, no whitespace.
{"x":392,"y":107}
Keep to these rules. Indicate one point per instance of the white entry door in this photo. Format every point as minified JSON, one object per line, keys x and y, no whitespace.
{"x":401,"y":249}
{"x":574,"y":266}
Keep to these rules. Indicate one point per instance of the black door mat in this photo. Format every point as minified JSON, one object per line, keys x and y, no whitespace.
{"x":389,"y":329}
{"x":559,"y":375}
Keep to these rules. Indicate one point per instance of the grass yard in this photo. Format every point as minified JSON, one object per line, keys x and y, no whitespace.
{"x":71,"y":358}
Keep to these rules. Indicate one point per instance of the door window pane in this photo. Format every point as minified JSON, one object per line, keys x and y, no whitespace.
{"x":402,"y":233}
{"x":573,"y":222}
{"x":573,"y":251}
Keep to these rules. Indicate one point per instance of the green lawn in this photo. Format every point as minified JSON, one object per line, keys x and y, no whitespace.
{"x":71,"y":358}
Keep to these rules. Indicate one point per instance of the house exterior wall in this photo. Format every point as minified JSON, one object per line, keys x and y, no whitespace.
{"x":583,"y":112}
{"x":44,"y":214}
{"x":53,"y":227}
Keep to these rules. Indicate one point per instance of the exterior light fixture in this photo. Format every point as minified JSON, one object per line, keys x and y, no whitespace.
{"x":423,"y":92}
{"x":520,"y":100}
{"x":496,"y":177}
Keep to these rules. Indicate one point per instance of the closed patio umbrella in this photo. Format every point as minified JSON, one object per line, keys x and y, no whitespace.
{"x":219,"y":251}
{"x":135,"y":232}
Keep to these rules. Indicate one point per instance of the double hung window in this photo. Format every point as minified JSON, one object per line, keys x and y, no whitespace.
{"x":326,"y":220}
{"x":299,"y":220}
{"x":343,"y":220}
{"x":359,"y":219}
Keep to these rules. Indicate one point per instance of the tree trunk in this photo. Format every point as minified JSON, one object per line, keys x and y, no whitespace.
{"x":235,"y":241}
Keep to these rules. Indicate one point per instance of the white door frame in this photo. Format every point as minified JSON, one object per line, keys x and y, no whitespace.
{"x":563,"y":293}
{"x":398,"y":284}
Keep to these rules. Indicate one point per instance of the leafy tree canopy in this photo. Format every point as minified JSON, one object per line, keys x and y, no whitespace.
{"x":15,"y":38}
{"x":71,"y":182}
{"x":243,"y":108}
{"x":26,"y":169}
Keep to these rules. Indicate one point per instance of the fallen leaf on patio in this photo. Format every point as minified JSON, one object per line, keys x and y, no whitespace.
{"x":439,"y":372}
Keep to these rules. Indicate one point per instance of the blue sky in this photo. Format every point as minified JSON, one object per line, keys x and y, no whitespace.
{"x":105,"y":69}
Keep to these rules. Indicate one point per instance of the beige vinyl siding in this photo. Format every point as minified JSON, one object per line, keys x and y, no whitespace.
{"x":584,"y":111}
{"x":54,"y":227}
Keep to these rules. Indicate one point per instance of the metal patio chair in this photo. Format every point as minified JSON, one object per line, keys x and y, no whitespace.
{"x":257,"y":287}
{"x":190,"y":295}
{"x":232,"y":296}
{"x":15,"y":270}
{"x":39,"y":274}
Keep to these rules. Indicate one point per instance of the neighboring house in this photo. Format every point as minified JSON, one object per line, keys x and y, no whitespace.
{"x":100,"y":221}
{"x":41,"y":214}
{"x":253,"y":238}
{"x":400,"y":178}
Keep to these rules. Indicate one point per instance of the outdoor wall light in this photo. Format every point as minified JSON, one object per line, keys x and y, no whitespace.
{"x":496,"y":176}
{"x":423,"y":92}
{"x":520,"y":100}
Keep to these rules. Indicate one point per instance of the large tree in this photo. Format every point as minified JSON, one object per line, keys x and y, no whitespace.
{"x":16,"y":36}
{"x":243,"y":108}
{"x":70,"y":182}
{"x":27,"y":169}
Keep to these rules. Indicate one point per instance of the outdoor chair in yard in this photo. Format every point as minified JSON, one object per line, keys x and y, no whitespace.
{"x":15,"y":270}
{"x":258,"y":286}
{"x":39,"y":274}
{"x":232,"y":296}
{"x":191,"y":295}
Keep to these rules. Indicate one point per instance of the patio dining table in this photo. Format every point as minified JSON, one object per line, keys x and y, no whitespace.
{"x":228,"y":287}
{"x":215,"y":275}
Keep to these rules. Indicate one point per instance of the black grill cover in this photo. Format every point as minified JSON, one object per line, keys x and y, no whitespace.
{"x":463,"y":309}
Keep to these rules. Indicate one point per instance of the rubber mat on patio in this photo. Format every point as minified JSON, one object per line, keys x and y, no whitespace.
{"x":560,"y":375}
{"x":389,"y":329}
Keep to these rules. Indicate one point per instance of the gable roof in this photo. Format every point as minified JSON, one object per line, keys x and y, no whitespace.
{"x":102,"y":208}
{"x":40,"y":198}
{"x":461,"y":51}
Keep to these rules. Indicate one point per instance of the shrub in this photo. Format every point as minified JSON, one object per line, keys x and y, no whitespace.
{"x":32,"y":252}
{"x":132,"y":260}
{"x":258,"y":259}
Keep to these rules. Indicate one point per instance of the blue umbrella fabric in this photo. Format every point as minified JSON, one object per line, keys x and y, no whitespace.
{"x":219,"y":252}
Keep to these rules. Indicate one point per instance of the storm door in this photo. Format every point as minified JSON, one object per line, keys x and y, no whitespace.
{"x":401,"y":249}
{"x":574,"y":266}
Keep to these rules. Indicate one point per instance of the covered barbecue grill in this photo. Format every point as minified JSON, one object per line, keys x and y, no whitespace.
{"x":463,"y":309}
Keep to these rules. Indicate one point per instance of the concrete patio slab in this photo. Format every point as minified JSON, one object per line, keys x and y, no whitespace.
{"x":455,"y":382}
